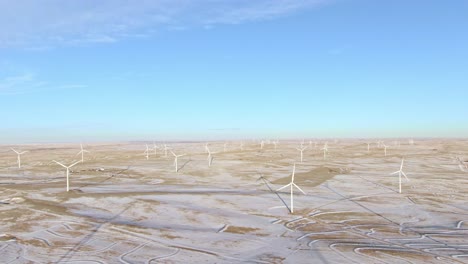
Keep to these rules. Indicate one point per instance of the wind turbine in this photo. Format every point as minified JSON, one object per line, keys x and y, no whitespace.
{"x":224,"y":148}
{"x":82,"y":151}
{"x":462,"y":164}
{"x":325,"y":150}
{"x":165,"y":150}
{"x":176,"y":157}
{"x":210,"y":158}
{"x":68,"y":171}
{"x":301,"y":149}
{"x":155,"y":148}
{"x":385,"y":149}
{"x":292,"y":184}
{"x":147,"y":152}
{"x":262,"y":144}
{"x":400,"y":172}
{"x":276,"y":144}
{"x":19,"y":157}
{"x":379,"y":143}
{"x":242,"y":145}
{"x":368,"y":146}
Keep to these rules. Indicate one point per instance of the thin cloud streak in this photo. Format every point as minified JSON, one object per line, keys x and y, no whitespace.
{"x":28,"y":23}
{"x":28,"y":82}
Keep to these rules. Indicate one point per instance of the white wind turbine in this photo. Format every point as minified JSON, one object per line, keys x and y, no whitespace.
{"x":325,"y":150}
{"x":166,"y":148}
{"x":379,"y":143}
{"x":68,"y":171}
{"x":276,"y":144}
{"x":210,"y":157}
{"x":147,"y":152}
{"x":461,"y":164}
{"x":82,"y":152}
{"x":385,"y":149}
{"x":301,"y":149}
{"x":19,"y":156}
{"x":292,"y":184}
{"x":400,"y":172}
{"x":176,"y":157}
{"x":155,"y":148}
{"x":368,"y":146}
{"x":262,"y":144}
{"x":224,"y":147}
{"x":242,"y":145}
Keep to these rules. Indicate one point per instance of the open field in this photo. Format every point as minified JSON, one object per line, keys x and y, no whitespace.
{"x":123,"y":208}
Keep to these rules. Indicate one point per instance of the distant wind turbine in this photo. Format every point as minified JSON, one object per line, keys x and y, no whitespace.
{"x":461,"y":164}
{"x":325,"y":150}
{"x":292,"y":184}
{"x":301,"y":149}
{"x":147,"y":152}
{"x":385,"y":149}
{"x":82,"y":151}
{"x":400,"y":172}
{"x":68,"y":171}
{"x":176,"y":157}
{"x":210,"y":157}
{"x":155,"y":148}
{"x":276,"y":144}
{"x":19,"y":156}
{"x":166,"y":148}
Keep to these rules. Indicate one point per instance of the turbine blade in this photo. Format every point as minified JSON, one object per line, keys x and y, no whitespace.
{"x":405,"y":175}
{"x":59,"y":163}
{"x":74,"y":164}
{"x":287,"y":185}
{"x":394,"y":172}
{"x":299,"y":188}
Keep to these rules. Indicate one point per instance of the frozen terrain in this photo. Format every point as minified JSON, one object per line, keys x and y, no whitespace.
{"x":125,"y":208}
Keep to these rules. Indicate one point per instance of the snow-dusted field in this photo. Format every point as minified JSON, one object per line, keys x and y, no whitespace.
{"x":123,"y":208}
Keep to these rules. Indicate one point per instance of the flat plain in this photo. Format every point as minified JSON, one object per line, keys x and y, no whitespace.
{"x":125,"y":208}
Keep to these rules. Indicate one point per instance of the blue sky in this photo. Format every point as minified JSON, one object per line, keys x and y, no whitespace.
{"x":179,"y":69}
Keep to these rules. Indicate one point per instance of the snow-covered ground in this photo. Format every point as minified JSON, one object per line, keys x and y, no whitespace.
{"x":123,"y":208}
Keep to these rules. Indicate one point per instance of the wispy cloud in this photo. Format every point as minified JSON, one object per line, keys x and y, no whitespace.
{"x":56,"y":22}
{"x":28,"y":82}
